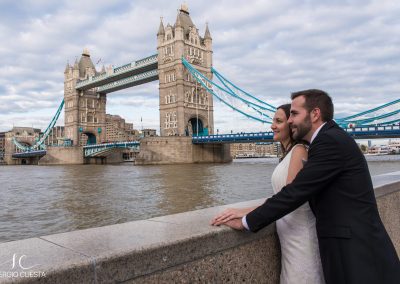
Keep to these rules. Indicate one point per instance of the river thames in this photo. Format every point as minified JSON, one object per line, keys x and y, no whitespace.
{"x":43,"y":200}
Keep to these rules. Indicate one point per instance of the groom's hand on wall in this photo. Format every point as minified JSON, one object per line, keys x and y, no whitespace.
{"x":235,"y":224}
{"x":230,"y":214}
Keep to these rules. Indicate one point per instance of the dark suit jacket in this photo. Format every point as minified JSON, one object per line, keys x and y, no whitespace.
{"x":353,"y":242}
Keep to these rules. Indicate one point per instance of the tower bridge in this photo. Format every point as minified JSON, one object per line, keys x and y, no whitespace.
{"x":185,"y":107}
{"x":184,"y":69}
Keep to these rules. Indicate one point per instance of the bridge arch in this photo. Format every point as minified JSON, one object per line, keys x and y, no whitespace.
{"x":196,"y":126}
{"x":91,"y":138}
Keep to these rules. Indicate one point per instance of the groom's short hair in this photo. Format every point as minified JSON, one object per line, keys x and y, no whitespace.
{"x":315,"y":98}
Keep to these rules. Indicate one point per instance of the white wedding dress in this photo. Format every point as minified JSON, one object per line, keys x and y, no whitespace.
{"x":298,"y":237}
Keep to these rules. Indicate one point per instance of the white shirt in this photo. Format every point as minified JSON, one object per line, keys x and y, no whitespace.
{"x":244,"y":221}
{"x":316,"y":132}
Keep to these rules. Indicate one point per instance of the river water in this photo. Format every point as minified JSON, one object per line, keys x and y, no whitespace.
{"x":42,"y":200}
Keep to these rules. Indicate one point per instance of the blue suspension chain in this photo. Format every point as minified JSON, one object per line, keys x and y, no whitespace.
{"x":232,"y":93}
{"x":39,"y":144}
{"x":201,"y":78}
{"x":369,"y":111}
{"x":244,"y":92}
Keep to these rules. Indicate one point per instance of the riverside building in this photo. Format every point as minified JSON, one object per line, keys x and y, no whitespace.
{"x":117,"y":130}
{"x":254,"y":150}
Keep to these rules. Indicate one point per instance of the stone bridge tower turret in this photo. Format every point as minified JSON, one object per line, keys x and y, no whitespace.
{"x":85,"y":111}
{"x":185,"y":107}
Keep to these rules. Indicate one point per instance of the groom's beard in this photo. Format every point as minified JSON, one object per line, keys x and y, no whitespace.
{"x":302,"y":129}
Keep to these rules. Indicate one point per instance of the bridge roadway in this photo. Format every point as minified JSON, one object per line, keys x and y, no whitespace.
{"x":135,"y":73}
{"x":375,"y":132}
{"x":29,"y":154}
{"x":99,"y":149}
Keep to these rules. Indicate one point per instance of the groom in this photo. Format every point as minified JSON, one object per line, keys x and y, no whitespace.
{"x":353,"y":242}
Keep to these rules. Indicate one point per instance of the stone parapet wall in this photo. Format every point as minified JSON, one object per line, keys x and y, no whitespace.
{"x":388,"y":198}
{"x":180,"y":248}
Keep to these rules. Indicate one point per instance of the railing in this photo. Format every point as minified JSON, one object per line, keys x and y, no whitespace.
{"x":119,"y":70}
{"x":129,"y":80}
{"x":150,"y":59}
{"x":122,"y":68}
{"x":368,"y":131}
{"x":233,"y":138}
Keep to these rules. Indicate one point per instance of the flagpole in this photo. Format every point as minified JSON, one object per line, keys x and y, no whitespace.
{"x":197,"y":110}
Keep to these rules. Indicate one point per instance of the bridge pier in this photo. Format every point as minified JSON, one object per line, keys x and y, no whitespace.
{"x":180,"y":150}
{"x":63,"y":156}
{"x":96,"y":160}
{"x":21,"y":161}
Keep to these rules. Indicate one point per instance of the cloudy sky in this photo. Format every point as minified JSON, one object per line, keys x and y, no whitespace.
{"x":270,"y":48}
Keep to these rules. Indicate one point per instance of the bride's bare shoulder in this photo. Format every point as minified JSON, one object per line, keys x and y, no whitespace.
{"x":300,"y":152}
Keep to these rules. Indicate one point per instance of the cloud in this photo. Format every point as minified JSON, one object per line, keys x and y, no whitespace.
{"x":269,"y":48}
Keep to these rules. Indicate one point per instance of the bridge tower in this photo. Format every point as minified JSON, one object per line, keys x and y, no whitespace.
{"x":185,"y":108}
{"x":85,"y":111}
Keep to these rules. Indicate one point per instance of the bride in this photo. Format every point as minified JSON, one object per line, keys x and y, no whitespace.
{"x":300,"y":260}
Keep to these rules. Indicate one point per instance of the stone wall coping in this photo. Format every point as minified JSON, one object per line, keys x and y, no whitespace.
{"x":386,"y":183}
{"x":125,"y":251}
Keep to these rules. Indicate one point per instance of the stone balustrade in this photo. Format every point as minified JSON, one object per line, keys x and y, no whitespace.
{"x":176,"y":248}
